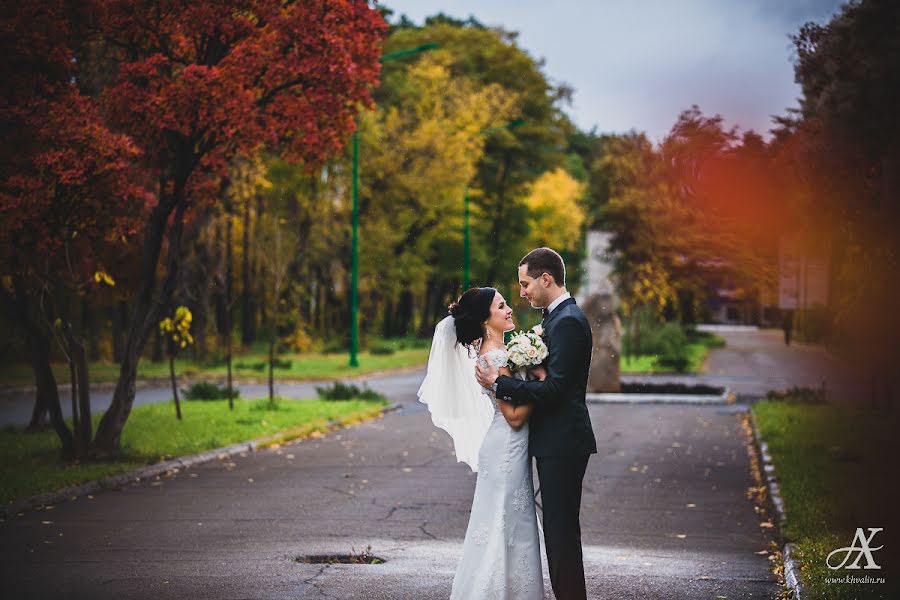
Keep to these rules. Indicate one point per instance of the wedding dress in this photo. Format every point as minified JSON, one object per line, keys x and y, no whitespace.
{"x":501,"y":553}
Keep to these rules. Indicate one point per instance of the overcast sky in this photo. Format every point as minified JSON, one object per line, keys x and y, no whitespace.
{"x":637,"y":64}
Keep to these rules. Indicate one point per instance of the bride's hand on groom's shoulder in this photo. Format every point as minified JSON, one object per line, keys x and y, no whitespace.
{"x":537,"y":373}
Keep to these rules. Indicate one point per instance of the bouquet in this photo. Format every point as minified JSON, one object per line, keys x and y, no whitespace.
{"x":526,"y":349}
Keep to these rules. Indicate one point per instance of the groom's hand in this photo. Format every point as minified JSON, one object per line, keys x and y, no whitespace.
{"x":486,"y":376}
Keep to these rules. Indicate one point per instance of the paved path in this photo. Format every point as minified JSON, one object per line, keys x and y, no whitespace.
{"x":754,"y":362}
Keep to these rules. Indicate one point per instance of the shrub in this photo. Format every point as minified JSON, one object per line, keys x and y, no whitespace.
{"x":672,"y":343}
{"x":707,"y":338}
{"x":335,"y":345}
{"x":254,"y":366}
{"x":381,"y":348}
{"x":298,"y":340}
{"x":208,"y":391}
{"x":347,"y":391}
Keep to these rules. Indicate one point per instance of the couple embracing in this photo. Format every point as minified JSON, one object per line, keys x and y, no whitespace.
{"x":499,"y":419}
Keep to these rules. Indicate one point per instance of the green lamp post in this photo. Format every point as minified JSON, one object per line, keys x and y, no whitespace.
{"x":467,"y":256}
{"x":354,"y":238}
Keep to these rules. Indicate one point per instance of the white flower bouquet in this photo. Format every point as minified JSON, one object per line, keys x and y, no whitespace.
{"x":526,"y":349}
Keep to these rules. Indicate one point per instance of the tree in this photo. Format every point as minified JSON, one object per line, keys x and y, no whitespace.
{"x":276,"y":248}
{"x":512,"y":159}
{"x":69,"y":196}
{"x":555,"y":215}
{"x":843,"y":146}
{"x":177,"y":333}
{"x":198,"y":83}
{"x":420,"y":153}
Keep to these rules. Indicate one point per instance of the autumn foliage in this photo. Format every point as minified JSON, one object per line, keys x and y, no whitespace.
{"x":122,"y":118}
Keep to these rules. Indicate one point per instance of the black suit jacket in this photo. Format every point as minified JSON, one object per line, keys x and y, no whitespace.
{"x":560,"y":424}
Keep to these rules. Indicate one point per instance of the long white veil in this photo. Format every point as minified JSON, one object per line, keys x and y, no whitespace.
{"x":453,"y":395}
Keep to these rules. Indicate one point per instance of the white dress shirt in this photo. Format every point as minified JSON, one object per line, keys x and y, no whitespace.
{"x":557,"y":302}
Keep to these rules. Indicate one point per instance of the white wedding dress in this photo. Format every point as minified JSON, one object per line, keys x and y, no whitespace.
{"x":501,"y":554}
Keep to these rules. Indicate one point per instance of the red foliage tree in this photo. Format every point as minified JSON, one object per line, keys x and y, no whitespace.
{"x":200,"y":82}
{"x":67,"y":193}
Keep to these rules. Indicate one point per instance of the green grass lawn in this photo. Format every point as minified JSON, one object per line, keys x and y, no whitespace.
{"x":31,"y":464}
{"x":836,"y":468}
{"x":647,"y":363}
{"x":251,"y":365}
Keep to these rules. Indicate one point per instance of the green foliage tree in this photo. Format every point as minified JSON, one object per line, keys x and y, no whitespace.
{"x":512,"y":159}
{"x":841,"y":153}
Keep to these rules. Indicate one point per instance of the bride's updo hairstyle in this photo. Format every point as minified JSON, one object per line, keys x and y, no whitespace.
{"x":470,"y":313}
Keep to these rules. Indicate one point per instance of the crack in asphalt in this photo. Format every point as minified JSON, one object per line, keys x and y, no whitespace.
{"x":426,"y":532}
{"x":311,"y":582}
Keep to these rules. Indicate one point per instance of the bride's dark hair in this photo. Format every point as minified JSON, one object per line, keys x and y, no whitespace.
{"x":470,"y":313}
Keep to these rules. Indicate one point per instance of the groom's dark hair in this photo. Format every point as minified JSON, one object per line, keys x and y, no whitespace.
{"x":545,"y":260}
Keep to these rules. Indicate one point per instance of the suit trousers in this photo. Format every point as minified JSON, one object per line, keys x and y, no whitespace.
{"x":560,"y":479}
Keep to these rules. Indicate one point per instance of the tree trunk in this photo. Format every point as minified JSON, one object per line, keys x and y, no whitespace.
{"x":157,"y":354}
{"x":78,"y":378}
{"x":84,"y":430}
{"x":119,"y":321}
{"x":38,"y":414}
{"x":229,"y":276}
{"x":246,"y":295}
{"x":76,"y":419}
{"x":497,"y":223}
{"x":146,"y":313}
{"x":256,"y":270}
{"x":48,"y":392}
{"x":272,"y":367}
{"x":47,"y":397}
{"x":174,"y":385}
{"x":219,"y":279}
{"x":404,"y":316}
{"x":387,"y":325}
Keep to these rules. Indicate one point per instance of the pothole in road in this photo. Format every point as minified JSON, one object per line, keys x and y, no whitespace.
{"x":353,"y":558}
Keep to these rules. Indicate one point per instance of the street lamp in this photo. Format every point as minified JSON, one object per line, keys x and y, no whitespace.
{"x":354,"y":238}
{"x":467,"y":257}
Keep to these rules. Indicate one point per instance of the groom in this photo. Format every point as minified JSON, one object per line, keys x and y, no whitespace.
{"x":560,"y":435}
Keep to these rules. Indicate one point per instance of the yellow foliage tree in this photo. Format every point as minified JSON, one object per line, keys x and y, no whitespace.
{"x":417,"y":158}
{"x":556,"y":217}
{"x":177,"y":332}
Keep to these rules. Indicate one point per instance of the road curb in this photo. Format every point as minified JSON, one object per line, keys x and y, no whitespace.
{"x":726,"y":397}
{"x":791,"y":569}
{"x":116,"y":481}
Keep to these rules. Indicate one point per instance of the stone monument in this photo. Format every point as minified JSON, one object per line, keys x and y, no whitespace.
{"x":598,"y":300}
{"x":607,"y":332}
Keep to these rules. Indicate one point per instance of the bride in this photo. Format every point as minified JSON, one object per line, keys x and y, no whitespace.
{"x":501,"y":554}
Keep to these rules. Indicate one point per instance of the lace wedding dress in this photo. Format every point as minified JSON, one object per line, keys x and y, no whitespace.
{"x":501,"y":554}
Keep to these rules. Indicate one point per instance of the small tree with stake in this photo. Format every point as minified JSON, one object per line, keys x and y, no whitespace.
{"x":276,"y":248}
{"x":177,"y":332}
